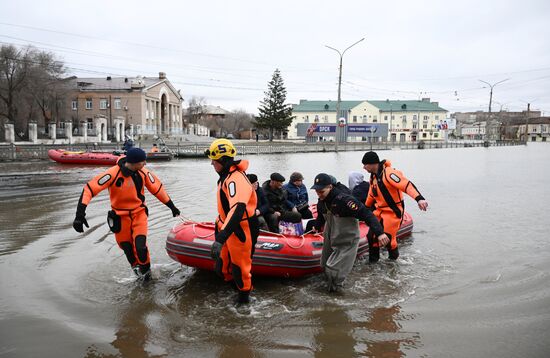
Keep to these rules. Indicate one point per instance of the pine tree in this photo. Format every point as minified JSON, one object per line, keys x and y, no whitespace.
{"x":275,"y":115}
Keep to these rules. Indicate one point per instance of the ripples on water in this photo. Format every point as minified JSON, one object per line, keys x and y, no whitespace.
{"x":473,"y":280}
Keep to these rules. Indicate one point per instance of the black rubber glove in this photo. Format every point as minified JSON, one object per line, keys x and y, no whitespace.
{"x":79,"y":222}
{"x":80,"y":218}
{"x":175,"y":211}
{"x":216,"y":250}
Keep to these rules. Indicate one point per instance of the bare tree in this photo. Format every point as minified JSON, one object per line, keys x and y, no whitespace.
{"x":29,"y":81}
{"x":14,"y":68}
{"x":46,"y":88}
{"x":238,"y":121}
{"x":196,"y":109}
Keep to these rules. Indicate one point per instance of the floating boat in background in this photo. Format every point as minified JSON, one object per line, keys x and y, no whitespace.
{"x":98,"y":157}
{"x":93,"y":157}
{"x":275,"y":255}
{"x":159,"y":156}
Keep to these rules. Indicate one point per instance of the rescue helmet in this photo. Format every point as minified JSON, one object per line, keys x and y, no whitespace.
{"x":221,"y":148}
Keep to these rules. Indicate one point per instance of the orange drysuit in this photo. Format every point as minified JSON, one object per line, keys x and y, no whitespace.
{"x":128,"y":218}
{"x":237,"y":225}
{"x":385,"y":196}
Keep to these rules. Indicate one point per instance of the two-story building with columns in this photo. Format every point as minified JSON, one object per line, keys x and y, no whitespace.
{"x":406,"y":120}
{"x":114,"y":106}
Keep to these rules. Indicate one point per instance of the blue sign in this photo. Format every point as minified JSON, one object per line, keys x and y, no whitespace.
{"x":325,"y":129}
{"x":366,"y":130}
{"x":362,"y":128}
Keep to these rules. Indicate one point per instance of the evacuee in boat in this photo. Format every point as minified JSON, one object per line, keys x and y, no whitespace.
{"x":263,"y":206}
{"x":128,"y":217}
{"x":341,"y":212}
{"x":237,"y":225}
{"x":385,"y":196}
{"x":128,"y":144}
{"x":297,"y":195}
{"x":358,"y":186}
{"x":155,"y":149}
{"x":280,"y":209}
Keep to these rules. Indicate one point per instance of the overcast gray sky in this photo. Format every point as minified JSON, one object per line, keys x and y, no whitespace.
{"x":226,"y":51}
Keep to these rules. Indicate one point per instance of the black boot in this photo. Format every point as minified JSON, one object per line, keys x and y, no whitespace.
{"x":243,"y":297}
{"x":393,"y":254}
{"x":143,"y":272}
{"x":374,"y":254}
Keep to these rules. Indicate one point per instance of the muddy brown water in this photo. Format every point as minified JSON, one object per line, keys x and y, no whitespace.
{"x":473,"y":281}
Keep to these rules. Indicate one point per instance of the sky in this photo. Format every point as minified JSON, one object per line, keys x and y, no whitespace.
{"x":227,"y":51}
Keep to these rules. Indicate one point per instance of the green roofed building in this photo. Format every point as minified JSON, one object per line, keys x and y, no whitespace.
{"x":409,"y":120}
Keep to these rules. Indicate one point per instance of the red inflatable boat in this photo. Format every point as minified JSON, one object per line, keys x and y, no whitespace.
{"x":96,"y":158}
{"x":275,"y":255}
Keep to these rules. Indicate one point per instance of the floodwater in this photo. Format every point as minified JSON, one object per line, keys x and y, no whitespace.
{"x":474,"y":280}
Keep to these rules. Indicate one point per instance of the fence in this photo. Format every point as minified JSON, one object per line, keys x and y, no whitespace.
{"x":40,"y":151}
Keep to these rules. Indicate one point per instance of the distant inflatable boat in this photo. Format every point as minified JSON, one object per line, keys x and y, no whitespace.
{"x":94,"y":158}
{"x":275,"y":255}
{"x":97,"y":158}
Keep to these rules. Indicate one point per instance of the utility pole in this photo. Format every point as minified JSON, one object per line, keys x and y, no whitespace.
{"x":490,"y":102}
{"x":337,"y":134}
{"x":527,"y":123}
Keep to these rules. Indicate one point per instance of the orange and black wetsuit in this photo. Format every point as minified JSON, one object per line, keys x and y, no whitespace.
{"x":237,"y":226}
{"x":385,"y":196}
{"x":126,"y":191}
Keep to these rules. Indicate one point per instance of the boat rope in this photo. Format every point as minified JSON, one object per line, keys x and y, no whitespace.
{"x":199,"y":236}
{"x":186,"y":220}
{"x":302,"y":237}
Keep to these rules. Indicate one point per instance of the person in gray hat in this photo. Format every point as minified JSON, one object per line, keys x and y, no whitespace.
{"x":342,"y":213}
{"x":280,"y":209}
{"x":297,"y":195}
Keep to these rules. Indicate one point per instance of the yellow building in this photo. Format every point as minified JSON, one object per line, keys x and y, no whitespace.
{"x":406,"y":120}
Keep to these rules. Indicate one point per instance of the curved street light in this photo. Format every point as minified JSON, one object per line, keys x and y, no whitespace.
{"x":490,"y":102}
{"x":341,"y":54}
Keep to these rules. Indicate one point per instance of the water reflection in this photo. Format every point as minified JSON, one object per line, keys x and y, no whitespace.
{"x":334,"y":338}
{"x":383,"y":320}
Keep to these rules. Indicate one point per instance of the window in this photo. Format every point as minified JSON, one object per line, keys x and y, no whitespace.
{"x":354,"y":119}
{"x":436,"y":118}
{"x":103,"y":103}
{"x":423,"y":135}
{"x":61,"y":125}
{"x":118,"y":103}
{"x":375,"y":117}
{"x":392,"y":117}
{"x":386,"y":118}
{"x":316,"y":118}
{"x":425,"y":126}
{"x":90,"y":123}
{"x":414,"y":126}
{"x":88,"y":103}
{"x":404,"y":117}
{"x":426,"y":118}
{"x":414,"y":118}
{"x":326,"y":119}
{"x":74,"y":105}
{"x":436,"y":135}
{"x":374,"y":120}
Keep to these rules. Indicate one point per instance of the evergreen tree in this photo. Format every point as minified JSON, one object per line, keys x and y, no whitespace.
{"x":275,"y":115}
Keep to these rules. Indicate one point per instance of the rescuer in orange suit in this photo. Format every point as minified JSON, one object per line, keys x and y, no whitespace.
{"x":155,"y":148}
{"x":386,"y":199}
{"x":128,"y":217}
{"x":237,"y":226}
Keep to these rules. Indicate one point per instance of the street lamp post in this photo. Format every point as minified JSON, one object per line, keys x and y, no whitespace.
{"x":341,"y":54}
{"x":490,"y":102}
